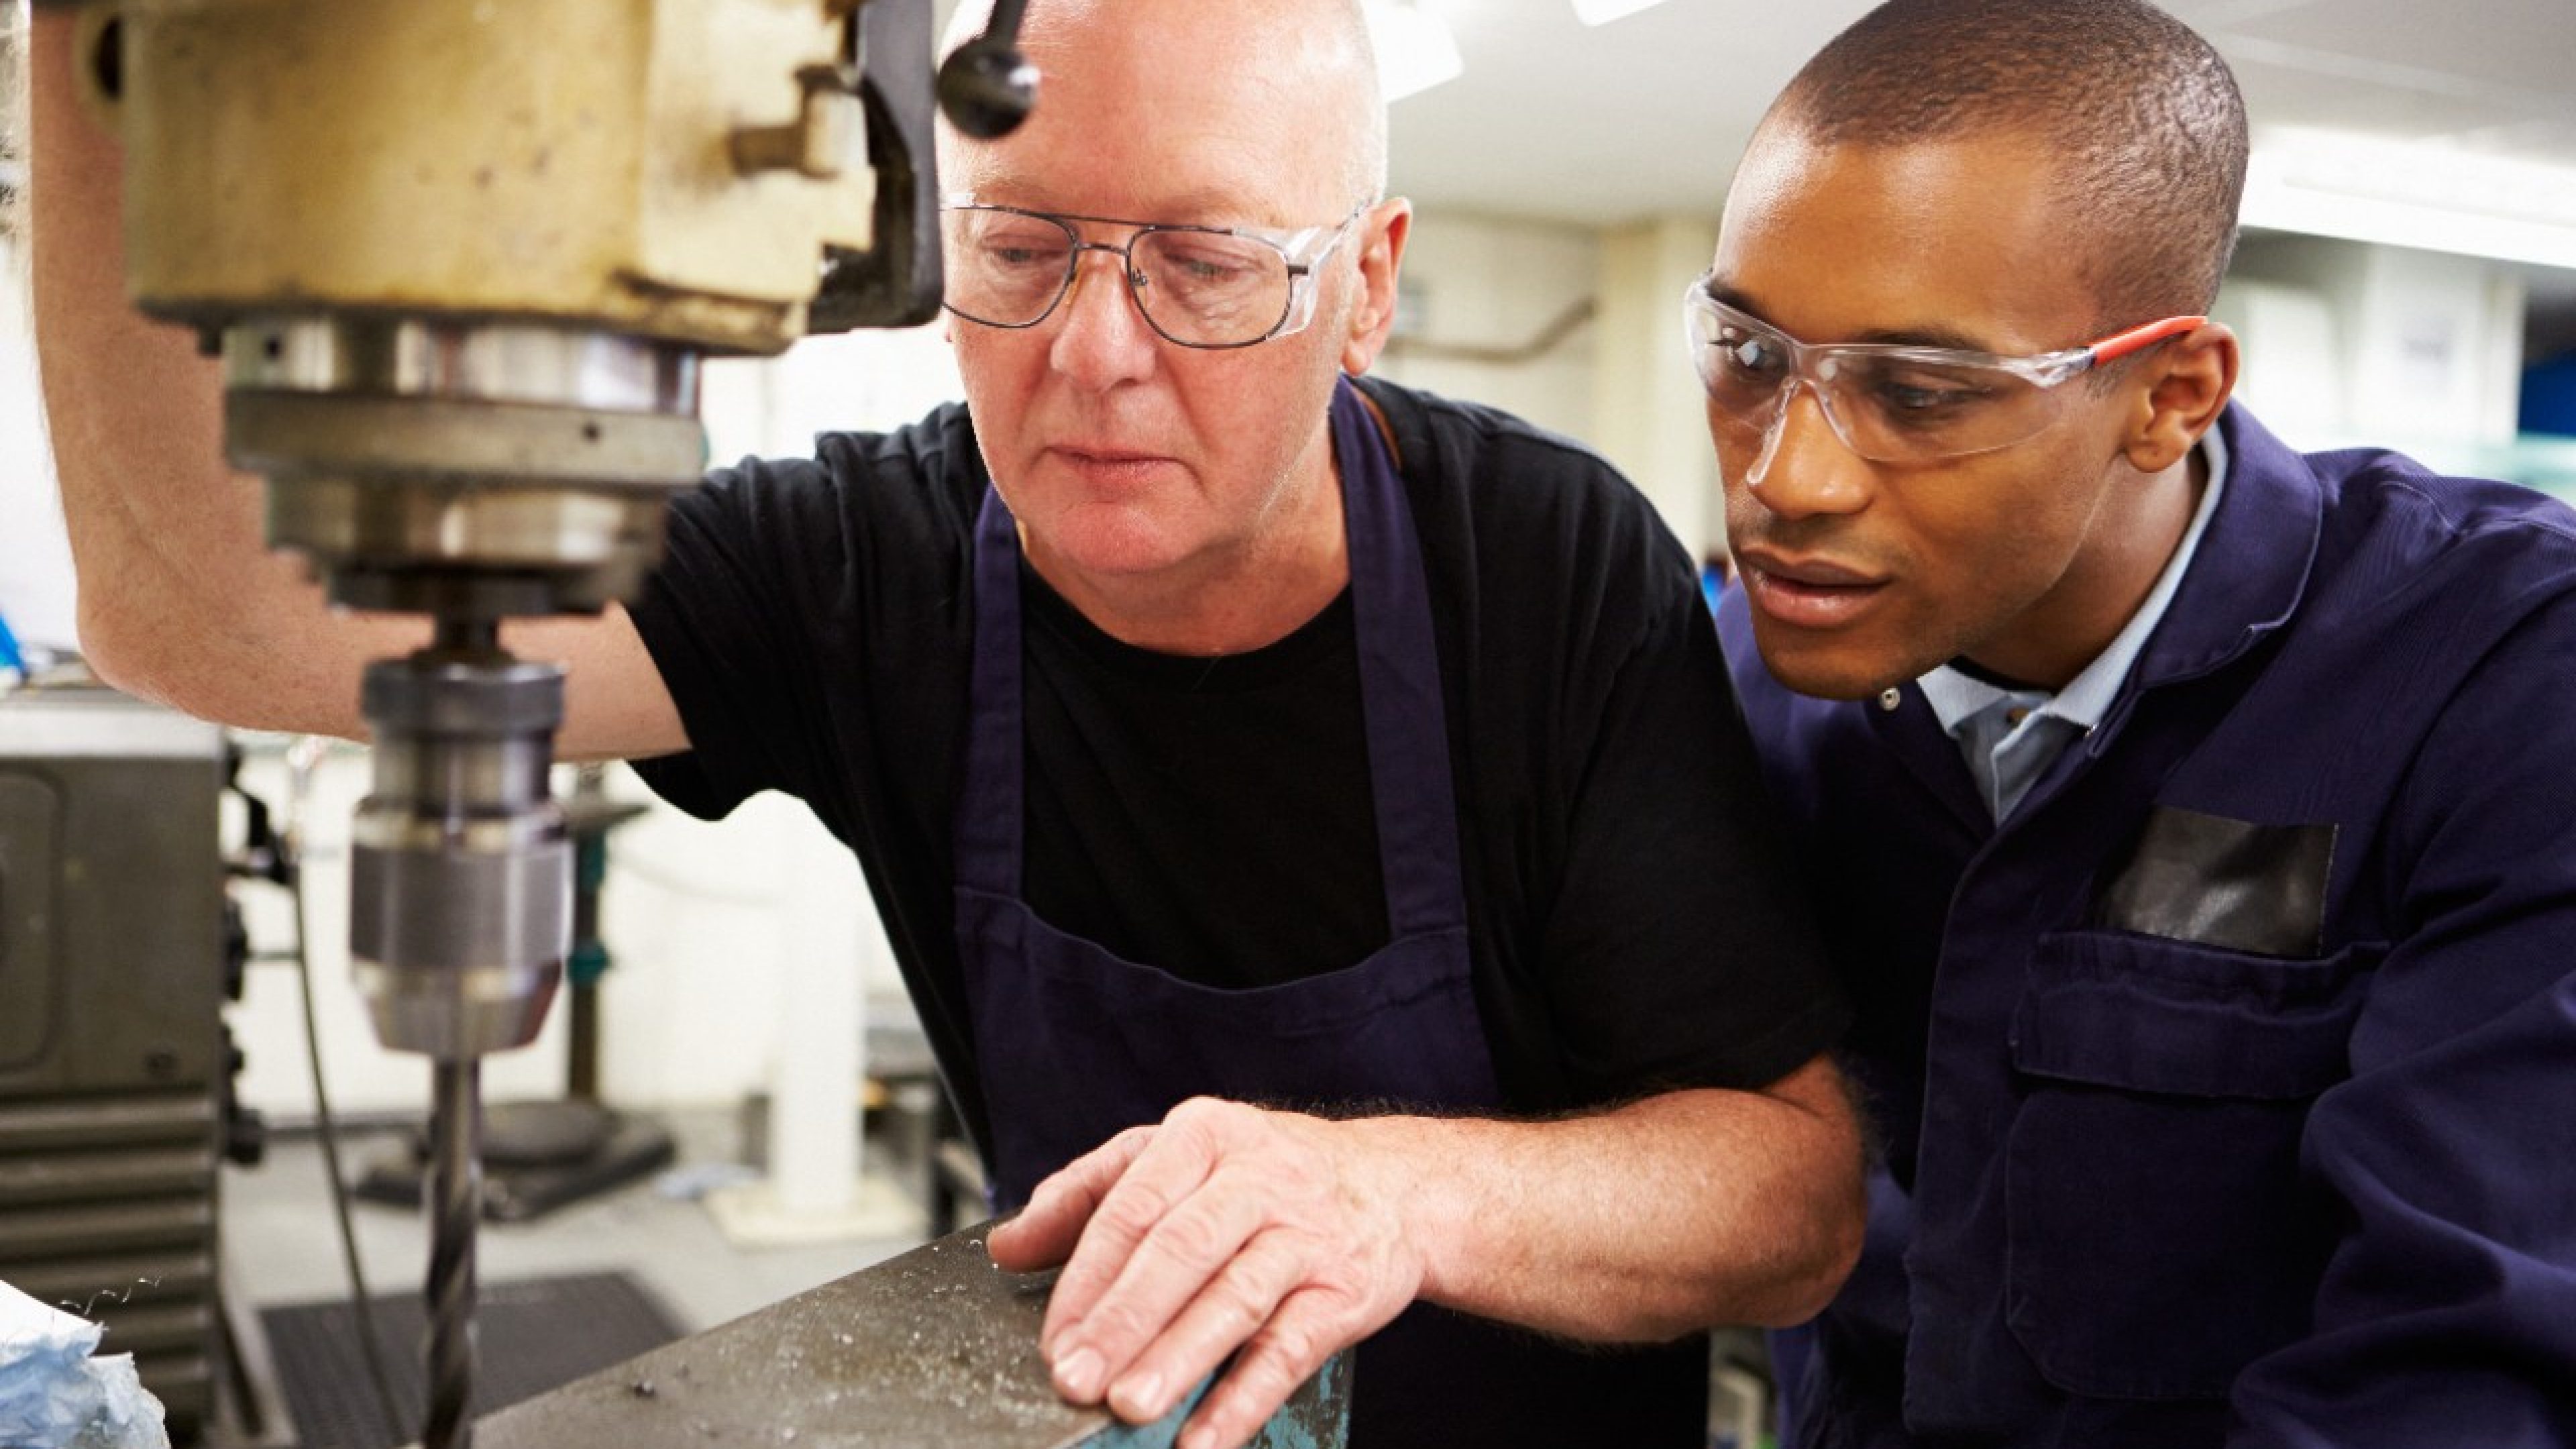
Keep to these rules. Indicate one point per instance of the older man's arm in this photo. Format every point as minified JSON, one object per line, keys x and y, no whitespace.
{"x":1295,"y":1236}
{"x":180,"y":600}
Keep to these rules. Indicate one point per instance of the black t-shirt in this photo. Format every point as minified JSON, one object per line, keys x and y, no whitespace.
{"x":1256,"y":844}
{"x":1633,"y":922}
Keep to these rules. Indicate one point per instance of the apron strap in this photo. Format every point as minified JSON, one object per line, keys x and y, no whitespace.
{"x":1400,"y":695}
{"x":992,"y":813}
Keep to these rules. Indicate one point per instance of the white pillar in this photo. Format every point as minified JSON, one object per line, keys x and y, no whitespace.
{"x":815,"y":1191}
{"x":1648,"y":413}
{"x":814,"y":1097}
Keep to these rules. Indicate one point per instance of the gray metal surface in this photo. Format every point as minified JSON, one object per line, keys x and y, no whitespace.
{"x":542,"y":364}
{"x":92,"y":723}
{"x":935,"y":1349}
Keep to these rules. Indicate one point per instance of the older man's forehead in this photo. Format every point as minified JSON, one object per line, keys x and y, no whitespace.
{"x":1143,"y":200}
{"x":1208,"y":110}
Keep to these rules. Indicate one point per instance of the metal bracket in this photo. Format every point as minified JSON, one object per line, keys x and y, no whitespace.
{"x":896,"y":282}
{"x":813,"y":145}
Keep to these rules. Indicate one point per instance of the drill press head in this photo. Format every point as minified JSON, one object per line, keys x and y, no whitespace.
{"x":461,"y":265}
{"x":461,"y":261}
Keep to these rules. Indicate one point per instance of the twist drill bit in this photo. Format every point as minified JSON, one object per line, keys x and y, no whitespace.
{"x":455,"y":1193}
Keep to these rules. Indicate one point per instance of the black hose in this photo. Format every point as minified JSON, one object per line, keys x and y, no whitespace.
{"x":369,"y":1345}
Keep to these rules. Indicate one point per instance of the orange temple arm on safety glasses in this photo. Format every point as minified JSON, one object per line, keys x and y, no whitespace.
{"x":2117,"y":346}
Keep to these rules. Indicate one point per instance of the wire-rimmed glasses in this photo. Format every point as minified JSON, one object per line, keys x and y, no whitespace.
{"x":1199,"y":286}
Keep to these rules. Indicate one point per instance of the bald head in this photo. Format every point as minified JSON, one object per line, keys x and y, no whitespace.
{"x":1305,"y":68}
{"x":2141,"y":113}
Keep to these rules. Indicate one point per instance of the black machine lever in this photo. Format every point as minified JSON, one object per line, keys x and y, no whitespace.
{"x":987,"y":88}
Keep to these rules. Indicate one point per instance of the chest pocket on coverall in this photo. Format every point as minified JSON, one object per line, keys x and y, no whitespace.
{"x":2160,"y":1236}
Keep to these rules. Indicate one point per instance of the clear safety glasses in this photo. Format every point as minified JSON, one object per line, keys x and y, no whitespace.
{"x":1200,"y":286}
{"x":1891,"y":403}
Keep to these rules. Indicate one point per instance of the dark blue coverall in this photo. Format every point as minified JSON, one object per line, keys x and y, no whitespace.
{"x":2228,"y":1088}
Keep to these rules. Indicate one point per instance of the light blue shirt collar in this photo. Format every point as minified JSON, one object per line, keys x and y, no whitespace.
{"x":2010,"y":736}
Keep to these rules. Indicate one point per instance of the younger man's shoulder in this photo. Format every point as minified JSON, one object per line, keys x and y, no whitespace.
{"x":2401,"y":521}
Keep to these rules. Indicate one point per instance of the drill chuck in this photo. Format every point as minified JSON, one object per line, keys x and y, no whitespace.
{"x":462,"y":868}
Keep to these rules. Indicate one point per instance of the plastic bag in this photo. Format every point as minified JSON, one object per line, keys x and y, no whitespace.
{"x":55,"y":1393}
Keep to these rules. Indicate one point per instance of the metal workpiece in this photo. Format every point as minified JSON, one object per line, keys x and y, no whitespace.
{"x":461,"y":864}
{"x":934,"y":1349}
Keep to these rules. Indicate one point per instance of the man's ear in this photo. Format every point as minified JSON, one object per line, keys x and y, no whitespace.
{"x":1382,"y":236}
{"x":2190,"y":380}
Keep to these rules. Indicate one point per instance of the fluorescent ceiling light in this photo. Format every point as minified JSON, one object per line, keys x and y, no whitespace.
{"x":2412,"y":194}
{"x":1415,"y":50}
{"x":1602,"y":12}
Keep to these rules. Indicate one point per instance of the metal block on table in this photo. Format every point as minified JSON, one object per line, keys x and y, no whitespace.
{"x":930,"y":1350}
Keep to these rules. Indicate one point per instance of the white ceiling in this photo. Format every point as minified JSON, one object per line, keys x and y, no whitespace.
{"x":1646,"y":115}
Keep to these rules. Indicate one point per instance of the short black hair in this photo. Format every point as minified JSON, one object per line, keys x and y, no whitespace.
{"x":2145,"y":112}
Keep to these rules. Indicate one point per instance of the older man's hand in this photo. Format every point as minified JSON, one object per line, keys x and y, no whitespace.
{"x":1223,"y":1226}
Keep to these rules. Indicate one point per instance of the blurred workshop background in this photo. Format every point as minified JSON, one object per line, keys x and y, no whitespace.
{"x":743,"y":1107}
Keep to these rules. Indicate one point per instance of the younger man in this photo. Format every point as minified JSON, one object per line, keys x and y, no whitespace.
{"x":2191,"y":816}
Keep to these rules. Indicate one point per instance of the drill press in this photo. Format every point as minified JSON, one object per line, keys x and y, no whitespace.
{"x":461,"y":261}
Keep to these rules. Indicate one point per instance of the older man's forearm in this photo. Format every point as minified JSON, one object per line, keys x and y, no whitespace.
{"x":1655,"y":1219}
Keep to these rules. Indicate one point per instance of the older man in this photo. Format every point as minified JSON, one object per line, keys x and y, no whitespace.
{"x":1215,"y":732}
{"x":2192,"y":814}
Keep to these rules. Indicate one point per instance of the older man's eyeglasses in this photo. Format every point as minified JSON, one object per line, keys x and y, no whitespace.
{"x":1891,"y":403}
{"x":1199,"y":286}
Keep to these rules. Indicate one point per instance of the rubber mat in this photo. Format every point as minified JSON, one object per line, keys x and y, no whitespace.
{"x":535,"y":1334}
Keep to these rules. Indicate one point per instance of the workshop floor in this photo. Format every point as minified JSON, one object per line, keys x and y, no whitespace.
{"x":281,"y":1247}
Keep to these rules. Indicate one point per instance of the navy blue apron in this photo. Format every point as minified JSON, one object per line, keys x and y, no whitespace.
{"x":1075,"y":1044}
